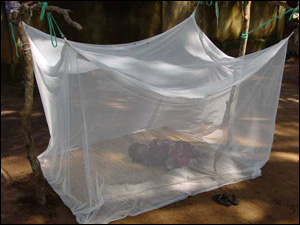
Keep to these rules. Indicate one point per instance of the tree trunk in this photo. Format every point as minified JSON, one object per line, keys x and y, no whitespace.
{"x":26,"y":121}
{"x":26,"y":114}
{"x":16,"y":16}
{"x":246,"y":10}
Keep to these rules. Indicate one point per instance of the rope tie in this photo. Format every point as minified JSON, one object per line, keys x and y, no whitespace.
{"x":292,"y":11}
{"x":51,"y":24}
{"x":24,"y":48}
{"x":245,"y":36}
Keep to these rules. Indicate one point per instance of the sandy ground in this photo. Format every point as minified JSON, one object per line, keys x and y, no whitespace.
{"x":272,"y":198}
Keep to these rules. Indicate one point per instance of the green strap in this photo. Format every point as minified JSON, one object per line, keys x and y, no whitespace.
{"x":293,"y":10}
{"x":51,"y":22}
{"x":199,"y":2}
{"x":217,"y":9}
{"x":60,"y":32}
{"x":43,"y":10}
{"x":52,"y":32}
{"x":11,"y":26}
{"x":210,"y":3}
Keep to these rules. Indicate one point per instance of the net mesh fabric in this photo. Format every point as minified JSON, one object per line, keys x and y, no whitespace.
{"x":100,"y":100}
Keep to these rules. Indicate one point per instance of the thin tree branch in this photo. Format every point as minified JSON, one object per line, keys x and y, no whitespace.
{"x":25,"y":7}
{"x":64,"y":13}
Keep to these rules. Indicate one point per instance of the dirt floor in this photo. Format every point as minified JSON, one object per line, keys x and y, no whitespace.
{"x":272,"y":198}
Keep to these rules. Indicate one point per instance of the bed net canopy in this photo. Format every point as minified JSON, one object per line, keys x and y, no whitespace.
{"x":137,"y":126}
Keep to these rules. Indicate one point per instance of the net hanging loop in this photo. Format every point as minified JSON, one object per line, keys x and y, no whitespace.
{"x":51,"y":24}
{"x":210,"y":3}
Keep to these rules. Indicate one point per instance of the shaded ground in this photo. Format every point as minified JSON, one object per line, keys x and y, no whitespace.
{"x":272,"y":198}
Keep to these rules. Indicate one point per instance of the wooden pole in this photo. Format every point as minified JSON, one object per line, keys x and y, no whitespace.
{"x":16,"y":17}
{"x":246,"y":11}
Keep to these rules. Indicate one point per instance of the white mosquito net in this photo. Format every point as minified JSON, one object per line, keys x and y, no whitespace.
{"x":137,"y":126}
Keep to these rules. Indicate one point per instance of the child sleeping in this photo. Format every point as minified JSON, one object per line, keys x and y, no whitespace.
{"x":170,"y":154}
